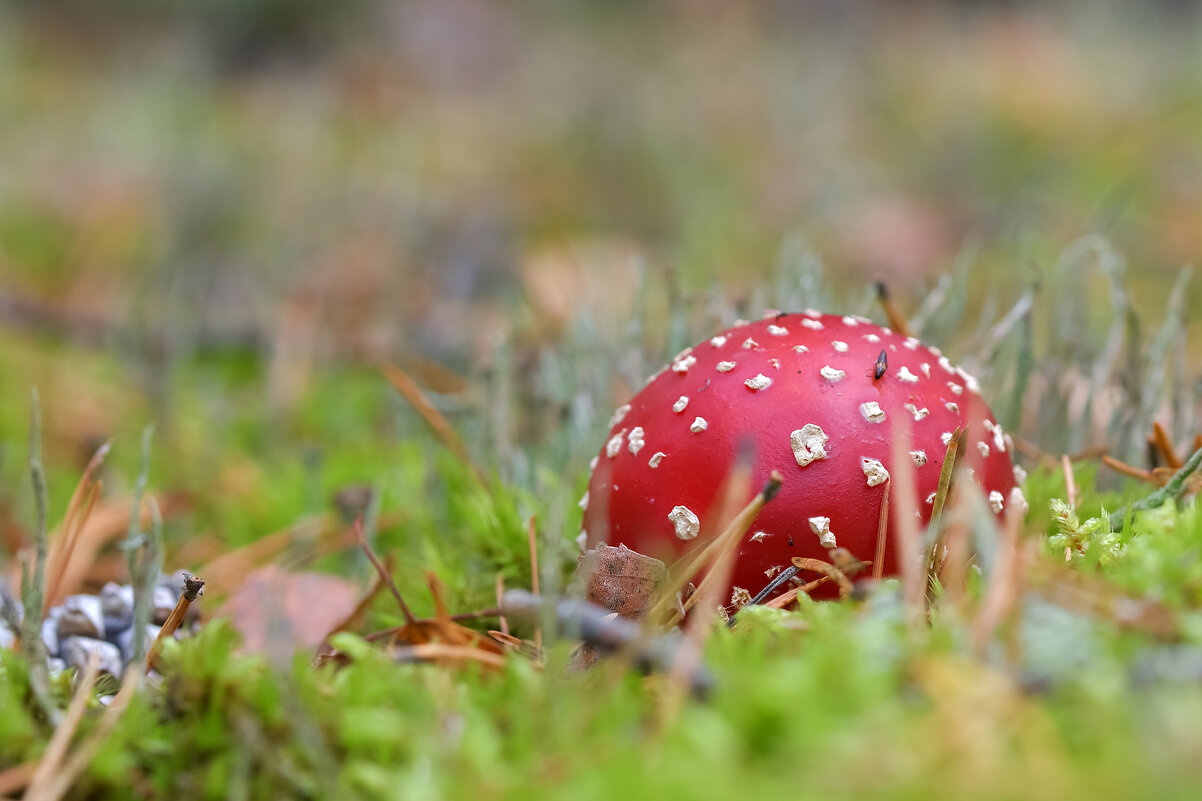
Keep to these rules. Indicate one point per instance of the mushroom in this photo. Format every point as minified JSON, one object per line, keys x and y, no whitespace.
{"x":820,"y":396}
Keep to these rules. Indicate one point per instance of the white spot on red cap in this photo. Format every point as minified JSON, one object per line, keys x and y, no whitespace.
{"x":655,"y":459}
{"x":813,"y":325}
{"x":919,"y":457}
{"x":801,"y":349}
{"x":750,"y":343}
{"x":759,"y":536}
{"x":614,"y":446}
{"x":726,"y":367}
{"x":739,"y":597}
{"x":872,"y":412}
{"x":918,"y":413}
{"x":583,"y":502}
{"x":983,"y":448}
{"x":582,"y":540}
{"x":831,"y":374}
{"x":931,"y":498}
{"x":740,"y":322}
{"x":849,"y":320}
{"x":874,"y":471}
{"x":1020,"y":475}
{"x":778,"y":330}
{"x":812,"y":313}
{"x":808,"y":444}
{"x":911,"y":343}
{"x":758,"y":382}
{"x":681,"y":404}
{"x":999,"y":436}
{"x":955,"y":388}
{"x":872,"y":338}
{"x":945,"y":437}
{"x":946,"y":365}
{"x":619,"y":414}
{"x":926,"y":369}
{"x":775,"y":363}
{"x":905,"y":375}
{"x":685,"y":523}
{"x":952,"y":407}
{"x":683,"y":365}
{"x":699,"y":425}
{"x":839,"y":346}
{"x":822,"y":527}
{"x":996,"y":502}
{"x":636,"y":440}
{"x":718,"y":341}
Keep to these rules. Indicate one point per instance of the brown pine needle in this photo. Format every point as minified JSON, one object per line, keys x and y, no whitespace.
{"x":411,"y":392}
{"x":385,"y":576}
{"x":1164,"y":446}
{"x":1070,"y":483}
{"x":356,"y":614}
{"x":444,"y":652}
{"x":56,"y":750}
{"x":897,"y":320}
{"x":1128,"y":470}
{"x":882,"y":533}
{"x":846,"y":588}
{"x":193,"y":587}
{"x":64,"y":548}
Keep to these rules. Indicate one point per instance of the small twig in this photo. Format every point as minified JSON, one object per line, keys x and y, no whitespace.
{"x":532,"y":542}
{"x":1170,"y":491}
{"x":56,"y":750}
{"x":1160,"y":438}
{"x":1070,"y":483}
{"x":1128,"y":470}
{"x":193,"y":587}
{"x":897,"y":320}
{"x":410,"y":619}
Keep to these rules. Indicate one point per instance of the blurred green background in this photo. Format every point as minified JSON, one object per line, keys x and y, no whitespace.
{"x":219,"y":218}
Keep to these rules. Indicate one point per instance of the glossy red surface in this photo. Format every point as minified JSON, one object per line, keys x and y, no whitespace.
{"x":630,"y":501}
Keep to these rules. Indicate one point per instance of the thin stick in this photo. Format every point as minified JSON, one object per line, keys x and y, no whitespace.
{"x":882,"y":534}
{"x":1128,"y":470}
{"x":897,"y":320}
{"x":193,"y":587}
{"x":532,"y":542}
{"x":410,"y":619}
{"x":786,"y":598}
{"x":56,"y":749}
{"x":1160,"y":438}
{"x":1070,"y":484}
{"x":1170,"y":491}
{"x":431,"y":651}
{"x":409,"y":389}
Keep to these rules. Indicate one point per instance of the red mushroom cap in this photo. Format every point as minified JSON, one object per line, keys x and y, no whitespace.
{"x":809,"y":392}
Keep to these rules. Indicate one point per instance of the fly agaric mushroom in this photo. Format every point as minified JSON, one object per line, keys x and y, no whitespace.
{"x":819,"y":396}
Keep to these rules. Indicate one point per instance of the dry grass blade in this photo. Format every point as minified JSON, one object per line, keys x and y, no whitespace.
{"x":79,"y":509}
{"x":356,"y":615}
{"x":532,"y":543}
{"x":1172,"y":490}
{"x":904,"y":521}
{"x":784,"y":599}
{"x":56,"y":750}
{"x":882,"y":534}
{"x":1003,"y":590}
{"x":947,"y":472}
{"x":718,"y":556}
{"x":409,"y":389}
{"x":79,"y":759}
{"x":193,"y":587}
{"x":1070,"y":482}
{"x":16,"y":777}
{"x":1164,"y":446}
